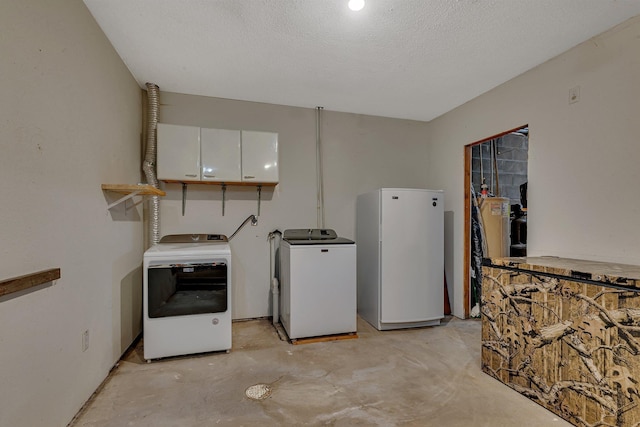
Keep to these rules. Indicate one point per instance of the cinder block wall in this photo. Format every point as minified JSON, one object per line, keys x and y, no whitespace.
{"x":512,"y":156}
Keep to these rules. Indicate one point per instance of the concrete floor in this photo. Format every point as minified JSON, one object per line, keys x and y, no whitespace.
{"x":413,"y":377}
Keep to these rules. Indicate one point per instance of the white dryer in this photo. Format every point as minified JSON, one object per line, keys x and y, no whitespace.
{"x":317,"y":283}
{"x":187,"y":296}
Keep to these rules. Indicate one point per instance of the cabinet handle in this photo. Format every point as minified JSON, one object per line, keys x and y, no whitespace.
{"x":191,"y":175}
{"x":249,"y":177}
{"x":209,"y":176}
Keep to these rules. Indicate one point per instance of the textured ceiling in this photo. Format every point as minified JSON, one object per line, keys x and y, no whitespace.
{"x":413,"y":59}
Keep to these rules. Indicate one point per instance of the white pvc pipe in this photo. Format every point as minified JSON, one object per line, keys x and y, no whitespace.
{"x":319,"y":175}
{"x":275,"y":283}
{"x":275,"y":294}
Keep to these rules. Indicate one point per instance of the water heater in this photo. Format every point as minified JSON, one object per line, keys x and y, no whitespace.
{"x":495,"y":212}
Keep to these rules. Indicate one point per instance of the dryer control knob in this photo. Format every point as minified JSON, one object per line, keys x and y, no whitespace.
{"x":215,"y":321}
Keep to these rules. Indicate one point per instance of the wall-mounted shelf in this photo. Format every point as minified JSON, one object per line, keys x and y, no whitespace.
{"x":131,"y":190}
{"x":242,"y":183}
{"x":27,"y":281}
{"x":223,"y":185}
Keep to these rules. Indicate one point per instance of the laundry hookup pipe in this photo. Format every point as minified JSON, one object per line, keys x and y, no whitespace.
{"x":275,"y":294}
{"x":149,"y":165}
{"x":254,"y":222}
{"x":319,"y":175}
{"x":273,"y":273}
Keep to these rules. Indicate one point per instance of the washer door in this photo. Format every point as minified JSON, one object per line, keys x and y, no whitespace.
{"x":185,"y":289}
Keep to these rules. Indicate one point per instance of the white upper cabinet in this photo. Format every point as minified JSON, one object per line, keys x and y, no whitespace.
{"x":259,"y":156}
{"x":190,"y":153}
{"x":220,"y":155}
{"x":178,"y":152}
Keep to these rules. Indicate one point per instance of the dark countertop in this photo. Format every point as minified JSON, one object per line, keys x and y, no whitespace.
{"x":624,"y":275}
{"x":325,"y":242}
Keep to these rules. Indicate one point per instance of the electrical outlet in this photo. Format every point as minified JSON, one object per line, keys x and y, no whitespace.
{"x":85,"y":340}
{"x":574,"y":95}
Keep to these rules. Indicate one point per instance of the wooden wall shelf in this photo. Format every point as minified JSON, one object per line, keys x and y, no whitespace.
{"x":27,"y":281}
{"x":140,"y":189}
{"x":230,"y":183}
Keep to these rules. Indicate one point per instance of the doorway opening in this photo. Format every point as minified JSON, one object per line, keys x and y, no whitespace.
{"x":495,"y":199}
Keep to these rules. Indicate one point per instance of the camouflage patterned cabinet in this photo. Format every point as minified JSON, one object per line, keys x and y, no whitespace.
{"x":566,"y":334}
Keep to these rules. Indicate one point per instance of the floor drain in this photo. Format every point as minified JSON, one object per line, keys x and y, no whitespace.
{"x":258,"y":392}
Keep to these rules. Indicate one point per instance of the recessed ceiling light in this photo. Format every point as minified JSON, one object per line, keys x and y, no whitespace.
{"x":356,"y":5}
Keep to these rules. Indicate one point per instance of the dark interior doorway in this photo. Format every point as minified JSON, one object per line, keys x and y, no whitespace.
{"x":496,"y":182}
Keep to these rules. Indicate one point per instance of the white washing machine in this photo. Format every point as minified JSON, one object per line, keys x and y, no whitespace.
{"x":317,"y":283}
{"x":187,"y":296}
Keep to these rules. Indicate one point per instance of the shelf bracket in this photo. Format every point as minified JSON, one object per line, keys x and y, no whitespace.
{"x":259,"y":189}
{"x":184,"y":197}
{"x":224,"y":193}
{"x":123,"y":199}
{"x":130,"y":191}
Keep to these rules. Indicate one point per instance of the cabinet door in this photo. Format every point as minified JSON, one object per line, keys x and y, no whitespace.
{"x":220,"y":155}
{"x":259,"y":156}
{"x":178,"y":152}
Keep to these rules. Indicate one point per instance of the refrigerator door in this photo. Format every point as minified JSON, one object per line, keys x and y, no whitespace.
{"x":412,"y":258}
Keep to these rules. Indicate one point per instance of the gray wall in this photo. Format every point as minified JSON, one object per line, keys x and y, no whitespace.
{"x":583,"y":157}
{"x":360,"y":153}
{"x":70,"y":121}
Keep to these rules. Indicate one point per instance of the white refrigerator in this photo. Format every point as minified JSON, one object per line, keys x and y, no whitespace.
{"x":400,"y":258}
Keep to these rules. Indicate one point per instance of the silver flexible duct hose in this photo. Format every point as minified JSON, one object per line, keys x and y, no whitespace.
{"x":153,"y":234}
